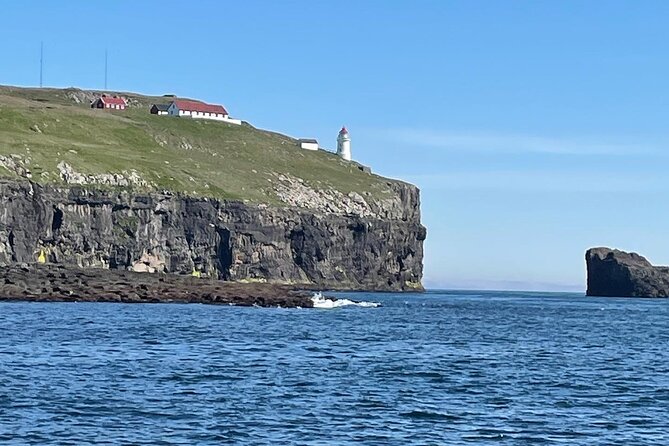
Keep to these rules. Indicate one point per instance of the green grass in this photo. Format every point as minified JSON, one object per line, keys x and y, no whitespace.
{"x":196,"y":157}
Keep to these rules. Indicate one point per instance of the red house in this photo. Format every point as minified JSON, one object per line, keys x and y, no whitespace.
{"x":110,"y":102}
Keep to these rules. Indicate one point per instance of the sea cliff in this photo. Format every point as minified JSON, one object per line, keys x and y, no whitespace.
{"x":130,"y":190}
{"x":615,"y":273}
{"x":165,"y":232}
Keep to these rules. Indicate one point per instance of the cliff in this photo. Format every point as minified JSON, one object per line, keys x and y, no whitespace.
{"x":617,"y":273}
{"x":130,"y":190}
{"x":165,"y":232}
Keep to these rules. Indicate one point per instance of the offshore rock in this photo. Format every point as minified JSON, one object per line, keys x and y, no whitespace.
{"x":89,"y":226}
{"x":615,"y":273}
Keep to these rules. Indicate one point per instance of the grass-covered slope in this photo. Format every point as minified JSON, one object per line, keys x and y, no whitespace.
{"x":45,"y":127}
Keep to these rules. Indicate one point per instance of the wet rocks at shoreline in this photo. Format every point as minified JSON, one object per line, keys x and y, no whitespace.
{"x":59,"y":283}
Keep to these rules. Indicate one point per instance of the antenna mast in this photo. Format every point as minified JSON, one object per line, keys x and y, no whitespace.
{"x":105,"y":68}
{"x":41,"y":63}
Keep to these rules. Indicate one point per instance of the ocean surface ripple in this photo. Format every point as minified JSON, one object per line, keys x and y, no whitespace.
{"x":438,"y":368}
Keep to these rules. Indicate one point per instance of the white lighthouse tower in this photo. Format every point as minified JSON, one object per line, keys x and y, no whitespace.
{"x":344,"y":144}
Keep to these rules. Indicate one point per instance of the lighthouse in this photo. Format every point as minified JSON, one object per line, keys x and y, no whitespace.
{"x":344,"y":144}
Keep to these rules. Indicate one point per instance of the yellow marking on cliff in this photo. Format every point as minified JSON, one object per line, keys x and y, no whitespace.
{"x":196,"y":273}
{"x":42,"y":257}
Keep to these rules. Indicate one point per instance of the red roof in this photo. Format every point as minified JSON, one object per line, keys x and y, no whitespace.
{"x":113,"y":100}
{"x":198,"y":106}
{"x":343,"y":130}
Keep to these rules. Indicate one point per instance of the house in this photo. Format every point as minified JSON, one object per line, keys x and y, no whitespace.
{"x":159,"y":109}
{"x":110,"y":102}
{"x":200,"y":110}
{"x":308,"y":144}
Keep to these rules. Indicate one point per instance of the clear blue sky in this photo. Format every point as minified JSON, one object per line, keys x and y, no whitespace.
{"x":535,"y":129}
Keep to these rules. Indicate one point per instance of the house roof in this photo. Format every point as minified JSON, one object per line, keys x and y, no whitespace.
{"x":313,"y":141}
{"x":161,"y":107}
{"x":198,"y":106}
{"x":113,"y":100}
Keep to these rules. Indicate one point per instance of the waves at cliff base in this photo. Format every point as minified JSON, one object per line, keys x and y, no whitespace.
{"x":323,"y":302}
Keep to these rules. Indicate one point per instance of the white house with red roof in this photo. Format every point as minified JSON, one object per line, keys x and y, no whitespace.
{"x":200,"y":110}
{"x":110,"y":102}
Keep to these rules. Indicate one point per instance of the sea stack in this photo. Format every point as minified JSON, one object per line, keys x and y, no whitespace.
{"x":615,"y":273}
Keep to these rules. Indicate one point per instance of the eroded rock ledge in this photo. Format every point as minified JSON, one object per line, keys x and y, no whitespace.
{"x":615,"y":273}
{"x":59,"y":283}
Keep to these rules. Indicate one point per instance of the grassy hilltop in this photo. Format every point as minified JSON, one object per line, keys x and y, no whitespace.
{"x":41,"y":128}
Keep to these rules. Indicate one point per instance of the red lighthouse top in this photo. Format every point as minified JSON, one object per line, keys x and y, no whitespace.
{"x":343,"y":130}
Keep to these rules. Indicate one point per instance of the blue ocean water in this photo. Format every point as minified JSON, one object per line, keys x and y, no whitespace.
{"x":437,"y":368}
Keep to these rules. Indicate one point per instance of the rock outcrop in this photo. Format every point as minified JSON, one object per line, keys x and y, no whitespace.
{"x":89,"y":226}
{"x":59,"y":283}
{"x":615,"y":273}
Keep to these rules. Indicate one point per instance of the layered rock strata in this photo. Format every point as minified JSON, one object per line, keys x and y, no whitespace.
{"x":229,"y":240}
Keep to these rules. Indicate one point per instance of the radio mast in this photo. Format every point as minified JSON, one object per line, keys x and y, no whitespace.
{"x":41,"y":64}
{"x":105,"y":68}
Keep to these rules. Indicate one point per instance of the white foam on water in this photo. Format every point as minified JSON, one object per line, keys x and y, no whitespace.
{"x":323,"y":302}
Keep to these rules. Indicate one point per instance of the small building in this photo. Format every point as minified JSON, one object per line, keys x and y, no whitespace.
{"x":308,"y":144}
{"x":200,"y":110}
{"x":110,"y":102}
{"x":159,"y":109}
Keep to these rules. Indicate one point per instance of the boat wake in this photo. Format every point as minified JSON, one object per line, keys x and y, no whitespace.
{"x":323,"y":302}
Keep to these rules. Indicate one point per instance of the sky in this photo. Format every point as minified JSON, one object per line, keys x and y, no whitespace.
{"x":534,"y":129}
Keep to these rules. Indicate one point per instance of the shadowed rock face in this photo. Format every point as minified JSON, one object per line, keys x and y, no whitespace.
{"x":615,"y":273}
{"x":79,"y":226}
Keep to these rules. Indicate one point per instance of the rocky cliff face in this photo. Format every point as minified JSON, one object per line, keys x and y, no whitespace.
{"x":617,"y":273}
{"x":378,"y":249}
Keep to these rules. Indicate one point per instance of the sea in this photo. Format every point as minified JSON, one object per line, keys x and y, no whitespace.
{"x":439,"y":368}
